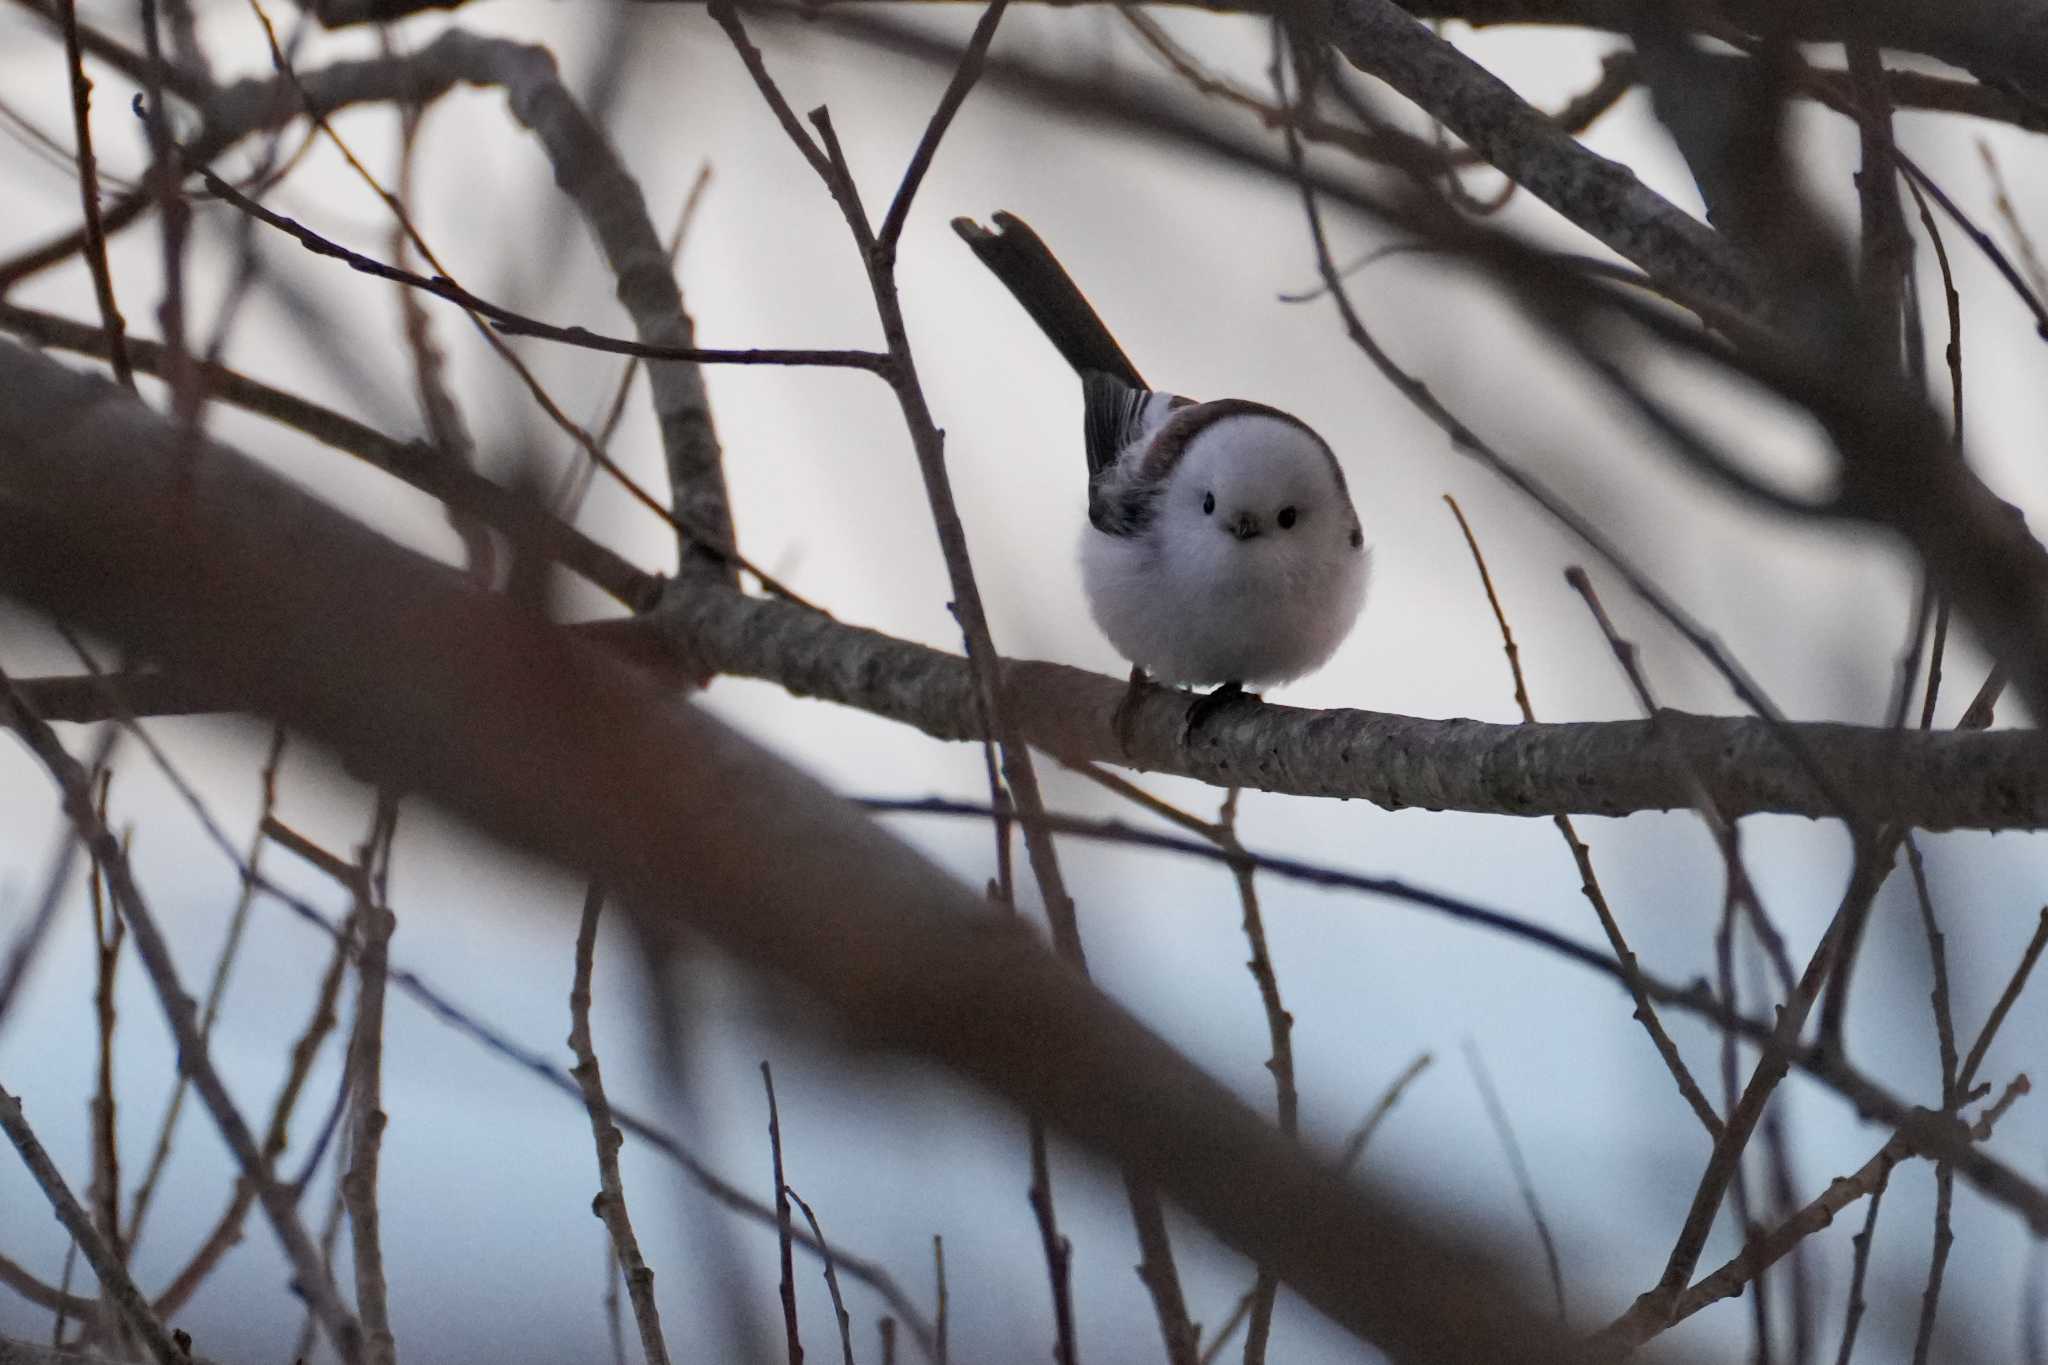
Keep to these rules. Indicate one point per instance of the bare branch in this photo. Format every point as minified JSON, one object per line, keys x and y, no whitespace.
{"x":178,"y":1007}
{"x":113,"y":1276}
{"x":611,"y":1199}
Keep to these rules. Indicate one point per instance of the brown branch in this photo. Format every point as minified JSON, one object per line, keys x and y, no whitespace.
{"x":89,"y":196}
{"x":373,"y":651}
{"x":413,"y":462}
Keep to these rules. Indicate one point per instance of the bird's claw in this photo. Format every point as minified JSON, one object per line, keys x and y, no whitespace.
{"x":1125,"y":719}
{"x":1206,"y":707}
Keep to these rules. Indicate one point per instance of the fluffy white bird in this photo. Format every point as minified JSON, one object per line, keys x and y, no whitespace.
{"x":1221,"y":544}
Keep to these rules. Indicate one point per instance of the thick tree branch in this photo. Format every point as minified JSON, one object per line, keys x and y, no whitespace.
{"x":1937,"y":781}
{"x":1931,"y":781}
{"x":431,"y":687}
{"x":1602,"y":197}
{"x":433,"y":471}
{"x":2003,"y":42}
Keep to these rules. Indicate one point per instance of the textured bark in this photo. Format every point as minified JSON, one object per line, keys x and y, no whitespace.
{"x":1996,"y":780}
{"x":1602,"y":197}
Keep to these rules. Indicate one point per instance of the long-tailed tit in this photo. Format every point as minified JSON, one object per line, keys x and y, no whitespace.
{"x":1221,"y":544}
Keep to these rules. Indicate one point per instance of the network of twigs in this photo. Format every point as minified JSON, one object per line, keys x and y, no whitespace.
{"x":333,"y":632}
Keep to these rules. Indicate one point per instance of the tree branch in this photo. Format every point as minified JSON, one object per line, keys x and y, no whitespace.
{"x":465,"y":698}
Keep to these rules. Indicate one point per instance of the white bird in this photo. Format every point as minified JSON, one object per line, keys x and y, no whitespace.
{"x":1221,"y":544}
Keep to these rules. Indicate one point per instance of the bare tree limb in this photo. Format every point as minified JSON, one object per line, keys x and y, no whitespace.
{"x":546,"y":741}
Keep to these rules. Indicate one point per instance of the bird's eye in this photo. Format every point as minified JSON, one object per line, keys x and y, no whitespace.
{"x":1287,"y":516}
{"x":1208,"y":504}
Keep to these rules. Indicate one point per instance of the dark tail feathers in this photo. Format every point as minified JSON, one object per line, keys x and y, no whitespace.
{"x":1030,"y":271}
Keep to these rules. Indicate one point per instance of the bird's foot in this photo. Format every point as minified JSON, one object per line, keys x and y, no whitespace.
{"x":1125,"y":719}
{"x":1229,"y":696}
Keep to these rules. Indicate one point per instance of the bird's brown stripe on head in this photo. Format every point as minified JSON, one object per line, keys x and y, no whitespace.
{"x":1189,"y":422}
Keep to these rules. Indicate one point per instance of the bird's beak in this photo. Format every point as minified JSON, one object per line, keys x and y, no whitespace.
{"x":1245,"y":527}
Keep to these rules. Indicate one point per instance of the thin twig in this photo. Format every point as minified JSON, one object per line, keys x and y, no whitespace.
{"x":1741,"y":889}
{"x":1589,"y":881}
{"x":1852,"y":1317}
{"x":1497,"y":1115}
{"x":178,"y":1007}
{"x":831,"y":1281}
{"x":939,"y":1312}
{"x":2006,"y":999}
{"x":2001,"y":203}
{"x":366,"y":1071}
{"x":1354,"y":1148}
{"x":112,"y":1274}
{"x":1779,"y":1041}
{"x":108,"y":932}
{"x":15,"y":1276}
{"x":1279,"y":1034}
{"x":89,"y":196}
{"x":438,"y":1004}
{"x":507,"y":321}
{"x":215,"y":991}
{"x":964,"y":76}
{"x":611,"y":1199}
{"x":787,"y":1283}
{"x":518,"y":324}
{"x":28,"y":940}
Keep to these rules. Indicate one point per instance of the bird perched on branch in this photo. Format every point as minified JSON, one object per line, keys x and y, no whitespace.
{"x":1221,"y":545}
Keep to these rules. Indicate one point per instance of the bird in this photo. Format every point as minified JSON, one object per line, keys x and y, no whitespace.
{"x":1221,"y":547}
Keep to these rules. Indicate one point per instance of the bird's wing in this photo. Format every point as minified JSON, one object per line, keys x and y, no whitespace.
{"x":1114,"y":416}
{"x":1119,"y":422}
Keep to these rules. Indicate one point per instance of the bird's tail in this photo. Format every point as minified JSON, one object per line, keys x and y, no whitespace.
{"x":1031,"y":272}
